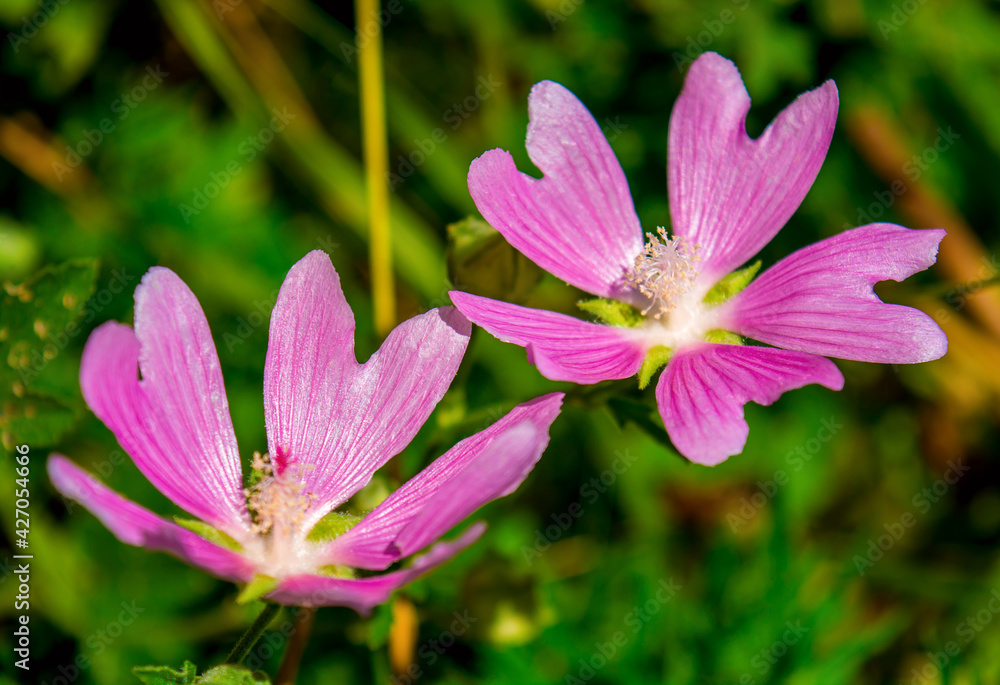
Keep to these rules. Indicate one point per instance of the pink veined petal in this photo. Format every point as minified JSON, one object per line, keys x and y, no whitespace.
{"x":483,"y":467}
{"x":175,"y":422}
{"x":703,"y":389}
{"x":136,"y":525}
{"x":729,"y":194}
{"x":820,"y":299}
{"x":335,"y":422}
{"x":562,"y":347}
{"x":364,"y":594}
{"x":578,"y":221}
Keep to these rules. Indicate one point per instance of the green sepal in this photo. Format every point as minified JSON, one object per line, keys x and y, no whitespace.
{"x":164,"y":675}
{"x":481,"y":261}
{"x":655,"y":359}
{"x":338,"y":571}
{"x":259,"y":586}
{"x":724,"y":337}
{"x":331,"y":526}
{"x":211,"y":534}
{"x":231,"y":674}
{"x":732,"y":284}
{"x":613,"y":312}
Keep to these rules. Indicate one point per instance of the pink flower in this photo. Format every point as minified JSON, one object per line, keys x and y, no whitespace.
{"x":331,"y":423}
{"x":675,"y":298}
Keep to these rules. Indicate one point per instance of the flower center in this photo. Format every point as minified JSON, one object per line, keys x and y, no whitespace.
{"x":278,"y":502}
{"x":664,"y":271}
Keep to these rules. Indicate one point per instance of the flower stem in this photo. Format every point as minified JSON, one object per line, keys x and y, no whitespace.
{"x":376,"y":156}
{"x":289,"y":669}
{"x":249,"y":639}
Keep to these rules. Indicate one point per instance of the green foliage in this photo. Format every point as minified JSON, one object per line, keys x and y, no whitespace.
{"x":550,"y":584}
{"x":226,"y":674}
{"x":40,"y":318}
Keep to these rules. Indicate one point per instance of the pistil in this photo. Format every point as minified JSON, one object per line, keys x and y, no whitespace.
{"x":664,"y":271}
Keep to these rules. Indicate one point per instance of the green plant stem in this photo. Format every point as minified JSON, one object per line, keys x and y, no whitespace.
{"x":253,"y":634}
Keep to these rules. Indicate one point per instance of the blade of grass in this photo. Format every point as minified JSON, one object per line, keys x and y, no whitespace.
{"x":376,"y":158}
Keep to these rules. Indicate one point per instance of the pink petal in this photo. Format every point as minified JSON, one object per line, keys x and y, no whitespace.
{"x":578,"y":221}
{"x":562,"y":347}
{"x":703,"y":389}
{"x":364,"y":594}
{"x":820,"y":299}
{"x":174,"y":422}
{"x":332,"y":420}
{"x":729,"y":194}
{"x":136,"y":525}
{"x":477,"y":470}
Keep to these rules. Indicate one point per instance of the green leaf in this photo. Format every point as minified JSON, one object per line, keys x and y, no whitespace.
{"x":613,"y":312}
{"x":732,"y":284}
{"x":164,"y":675}
{"x":333,"y":525}
{"x":209,"y":533}
{"x":259,"y":586}
{"x":655,"y":359}
{"x":230,"y":674}
{"x":225,"y":674}
{"x":39,"y":391}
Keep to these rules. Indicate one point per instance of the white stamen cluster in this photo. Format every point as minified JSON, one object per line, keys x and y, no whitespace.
{"x":277,"y":501}
{"x":664,"y":271}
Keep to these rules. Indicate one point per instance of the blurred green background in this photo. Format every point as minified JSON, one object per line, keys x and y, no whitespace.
{"x":834,"y":550}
